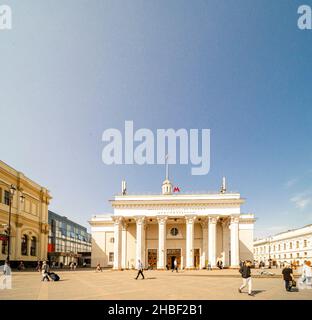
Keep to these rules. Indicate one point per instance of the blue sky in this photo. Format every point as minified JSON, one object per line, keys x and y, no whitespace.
{"x":240,"y":68}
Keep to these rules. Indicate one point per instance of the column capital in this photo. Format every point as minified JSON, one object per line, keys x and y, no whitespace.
{"x":162,"y":219}
{"x":117,"y":219}
{"x":213,"y":219}
{"x":234,"y":219}
{"x":124,"y":225}
{"x":140,"y":219}
{"x":204,"y":223}
{"x":190,"y":218}
{"x":225,"y":222}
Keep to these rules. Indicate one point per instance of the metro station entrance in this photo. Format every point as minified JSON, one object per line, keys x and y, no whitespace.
{"x":173,"y":254}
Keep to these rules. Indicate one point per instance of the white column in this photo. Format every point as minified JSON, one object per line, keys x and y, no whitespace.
{"x":226,"y":242}
{"x":161,"y":252}
{"x":117,"y":243}
{"x":190,"y":242}
{"x":204,"y":252}
{"x":124,"y":246}
{"x":234,"y":241}
{"x":140,"y":240}
{"x":212,"y":240}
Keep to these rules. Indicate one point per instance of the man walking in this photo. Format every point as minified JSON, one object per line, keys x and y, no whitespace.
{"x":246,"y":275}
{"x":140,"y":270}
{"x":175,"y":265}
{"x":288,"y":277}
{"x":45,"y":271}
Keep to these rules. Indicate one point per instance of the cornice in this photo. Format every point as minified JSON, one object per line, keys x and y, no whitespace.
{"x":175,"y":203}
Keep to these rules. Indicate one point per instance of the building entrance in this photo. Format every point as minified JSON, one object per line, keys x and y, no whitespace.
{"x":152,"y":258}
{"x":173,"y":254}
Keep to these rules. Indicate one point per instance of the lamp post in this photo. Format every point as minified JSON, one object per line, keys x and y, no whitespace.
{"x":270,"y":252}
{"x":11,"y":195}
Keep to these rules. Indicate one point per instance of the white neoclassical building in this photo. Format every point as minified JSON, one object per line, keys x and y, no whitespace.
{"x":195,"y":229}
{"x":289,"y":246}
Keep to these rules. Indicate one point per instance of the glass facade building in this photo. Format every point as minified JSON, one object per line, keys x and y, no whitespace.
{"x":68,"y":241}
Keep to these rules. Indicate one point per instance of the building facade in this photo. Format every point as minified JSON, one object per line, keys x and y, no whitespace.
{"x":292,"y":246}
{"x":195,"y":229}
{"x":29,"y":217}
{"x":68,"y":241}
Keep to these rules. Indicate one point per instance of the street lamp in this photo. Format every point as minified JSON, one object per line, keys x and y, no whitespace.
{"x":270,"y":252}
{"x":11,"y":195}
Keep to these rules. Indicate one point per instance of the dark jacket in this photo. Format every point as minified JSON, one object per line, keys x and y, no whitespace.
{"x":245,"y":271}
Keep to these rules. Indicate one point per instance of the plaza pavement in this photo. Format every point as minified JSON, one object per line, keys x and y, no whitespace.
{"x":121,"y":285}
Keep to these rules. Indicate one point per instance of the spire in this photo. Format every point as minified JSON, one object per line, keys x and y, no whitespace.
{"x":167,"y":186}
{"x":123,"y":187}
{"x":223,"y":186}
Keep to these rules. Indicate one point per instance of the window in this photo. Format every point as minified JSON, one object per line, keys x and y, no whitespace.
{"x":290,"y":245}
{"x":0,"y":195}
{"x":4,"y":246}
{"x":6,"y":197}
{"x":291,"y":256}
{"x":305,"y":254}
{"x":273,"y":248}
{"x":111,"y":240}
{"x":297,"y":244}
{"x":279,"y":247}
{"x":305,"y":243}
{"x":284,"y":246}
{"x":24,"y":245}
{"x":33,"y":245}
{"x":174,"y":232}
{"x":298,"y":256}
{"x":284,"y":256}
{"x":111,"y":257}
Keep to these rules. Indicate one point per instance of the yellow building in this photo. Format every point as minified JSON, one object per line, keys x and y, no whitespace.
{"x":29,"y":218}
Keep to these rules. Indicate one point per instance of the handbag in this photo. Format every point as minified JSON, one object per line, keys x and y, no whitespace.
{"x":293,"y":283}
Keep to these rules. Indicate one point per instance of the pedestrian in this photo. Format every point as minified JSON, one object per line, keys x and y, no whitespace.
{"x":38,"y":267}
{"x":246,"y":275}
{"x":288,"y":276}
{"x":45,"y":271}
{"x":98,"y":268}
{"x":175,"y":265}
{"x":75,"y":266}
{"x":209,"y":266}
{"x":6,"y":279}
{"x":306,"y":276}
{"x":140,"y":270}
{"x":21,"y":266}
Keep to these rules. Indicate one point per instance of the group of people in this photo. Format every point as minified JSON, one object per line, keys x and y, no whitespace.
{"x":304,"y":282}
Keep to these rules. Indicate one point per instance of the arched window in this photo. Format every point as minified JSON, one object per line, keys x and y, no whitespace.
{"x":33,"y":246}
{"x":24,"y":245}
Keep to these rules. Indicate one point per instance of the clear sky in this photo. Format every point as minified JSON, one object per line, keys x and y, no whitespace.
{"x":70,"y":70}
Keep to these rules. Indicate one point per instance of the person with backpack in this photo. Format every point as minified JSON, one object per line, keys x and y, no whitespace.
{"x":246,"y":275}
{"x":140,"y":270}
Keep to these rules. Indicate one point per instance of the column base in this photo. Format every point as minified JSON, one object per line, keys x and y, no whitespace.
{"x":190,"y":268}
{"x":234,"y":267}
{"x":117,"y":269}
